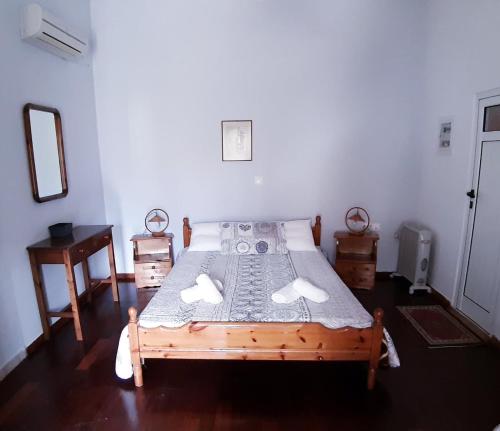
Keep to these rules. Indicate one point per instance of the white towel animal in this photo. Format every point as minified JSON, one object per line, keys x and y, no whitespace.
{"x":285,"y":295}
{"x":205,"y":289}
{"x":309,"y":291}
{"x":192,"y":294}
{"x":297,"y":288}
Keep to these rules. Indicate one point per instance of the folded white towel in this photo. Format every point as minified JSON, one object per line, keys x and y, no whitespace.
{"x":192,"y":294}
{"x":218,"y":284}
{"x":211,"y":293}
{"x":309,"y":291}
{"x":297,"y":288}
{"x":285,"y":295}
{"x":198,"y":293}
{"x":205,"y":289}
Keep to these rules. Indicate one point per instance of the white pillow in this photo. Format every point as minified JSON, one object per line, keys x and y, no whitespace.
{"x":298,"y":235}
{"x":205,"y":243}
{"x":205,"y":229}
{"x":297,"y":226}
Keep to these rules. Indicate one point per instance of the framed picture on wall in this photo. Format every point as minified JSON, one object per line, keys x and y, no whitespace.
{"x":236,"y":140}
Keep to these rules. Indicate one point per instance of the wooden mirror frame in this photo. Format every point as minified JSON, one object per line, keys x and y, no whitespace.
{"x":31,"y":154}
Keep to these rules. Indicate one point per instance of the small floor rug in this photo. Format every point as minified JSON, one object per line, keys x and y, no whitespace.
{"x":438,"y":327}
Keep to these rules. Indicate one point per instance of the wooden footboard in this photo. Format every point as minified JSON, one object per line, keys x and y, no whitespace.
{"x":256,"y":341}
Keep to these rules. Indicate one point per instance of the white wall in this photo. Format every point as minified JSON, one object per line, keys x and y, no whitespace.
{"x":331,"y":88}
{"x":29,"y":74}
{"x":461,"y":60}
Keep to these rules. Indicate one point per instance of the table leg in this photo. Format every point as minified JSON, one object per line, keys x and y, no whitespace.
{"x":73,"y":294}
{"x":36,"y":271}
{"x":112,"y":268}
{"x":86,"y":279}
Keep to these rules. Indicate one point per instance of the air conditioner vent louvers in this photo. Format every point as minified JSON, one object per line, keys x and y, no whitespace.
{"x":61,"y":42}
{"x":64,"y":31}
{"x":45,"y":31}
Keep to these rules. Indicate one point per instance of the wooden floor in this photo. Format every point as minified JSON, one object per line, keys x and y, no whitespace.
{"x":71,"y":385}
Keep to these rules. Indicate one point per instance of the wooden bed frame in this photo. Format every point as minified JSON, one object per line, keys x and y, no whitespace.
{"x":256,"y":340}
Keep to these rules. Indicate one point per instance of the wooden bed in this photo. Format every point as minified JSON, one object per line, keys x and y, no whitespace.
{"x":255,"y":340}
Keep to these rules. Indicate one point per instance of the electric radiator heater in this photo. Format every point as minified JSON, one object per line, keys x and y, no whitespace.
{"x":413,"y":259}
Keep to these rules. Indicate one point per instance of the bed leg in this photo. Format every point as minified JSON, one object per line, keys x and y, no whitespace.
{"x":133,"y":335}
{"x":378,"y":333}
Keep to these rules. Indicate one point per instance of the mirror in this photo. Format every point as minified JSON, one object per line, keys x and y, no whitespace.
{"x":44,"y":139}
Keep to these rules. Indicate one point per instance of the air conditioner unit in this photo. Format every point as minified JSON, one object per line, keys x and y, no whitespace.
{"x":44,"y":30}
{"x":413,"y":259}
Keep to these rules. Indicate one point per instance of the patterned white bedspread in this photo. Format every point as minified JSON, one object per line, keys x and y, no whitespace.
{"x":248,"y":283}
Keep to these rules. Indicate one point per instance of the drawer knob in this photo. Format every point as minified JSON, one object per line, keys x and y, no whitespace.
{"x":82,"y":250}
{"x":152,"y":277}
{"x":106,"y":236}
{"x":153,"y":267}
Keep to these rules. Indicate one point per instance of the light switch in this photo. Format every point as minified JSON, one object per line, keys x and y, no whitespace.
{"x":259,"y":180}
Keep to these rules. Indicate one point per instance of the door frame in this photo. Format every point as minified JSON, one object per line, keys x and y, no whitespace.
{"x":474,"y":173}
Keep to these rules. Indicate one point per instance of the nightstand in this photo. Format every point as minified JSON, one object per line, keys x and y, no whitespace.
{"x":153,"y":259}
{"x":356,"y":259}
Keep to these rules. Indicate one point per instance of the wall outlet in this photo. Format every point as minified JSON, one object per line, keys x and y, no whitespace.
{"x":258,"y":180}
{"x":375,"y":227}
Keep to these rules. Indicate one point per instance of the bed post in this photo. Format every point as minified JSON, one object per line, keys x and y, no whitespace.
{"x":186,"y":232}
{"x":378,"y":333}
{"x":317,"y":231}
{"x":133,"y":336}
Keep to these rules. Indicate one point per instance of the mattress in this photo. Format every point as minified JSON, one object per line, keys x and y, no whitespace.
{"x":248,"y":283}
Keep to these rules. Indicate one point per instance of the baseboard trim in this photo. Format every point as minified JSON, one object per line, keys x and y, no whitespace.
{"x":13,"y":363}
{"x":126,"y":277}
{"x":468,"y":323}
{"x":440,"y":298}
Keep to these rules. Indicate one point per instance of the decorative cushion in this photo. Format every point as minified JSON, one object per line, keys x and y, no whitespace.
{"x":298,"y":235}
{"x":252,"y":238}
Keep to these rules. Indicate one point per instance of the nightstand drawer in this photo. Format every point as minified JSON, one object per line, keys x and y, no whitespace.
{"x":89,"y":247}
{"x":346,"y":271}
{"x":366,"y":281}
{"x":153,"y":266}
{"x":358,"y":275}
{"x":364,"y":269}
{"x":146,"y":275}
{"x":149,"y":270}
{"x":142,"y":280}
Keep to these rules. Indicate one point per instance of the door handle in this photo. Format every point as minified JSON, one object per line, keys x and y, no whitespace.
{"x":471,"y":194}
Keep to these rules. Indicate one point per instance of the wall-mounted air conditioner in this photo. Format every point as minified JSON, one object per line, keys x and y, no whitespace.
{"x":42,"y":29}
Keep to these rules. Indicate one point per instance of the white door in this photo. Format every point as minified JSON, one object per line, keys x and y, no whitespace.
{"x":482,"y":260}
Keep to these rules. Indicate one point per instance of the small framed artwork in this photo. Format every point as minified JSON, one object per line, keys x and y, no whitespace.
{"x":236,"y":140}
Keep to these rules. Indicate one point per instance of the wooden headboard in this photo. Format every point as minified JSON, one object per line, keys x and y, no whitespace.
{"x":316,"y":231}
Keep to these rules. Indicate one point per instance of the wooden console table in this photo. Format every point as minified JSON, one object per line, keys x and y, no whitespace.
{"x":71,"y":250}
